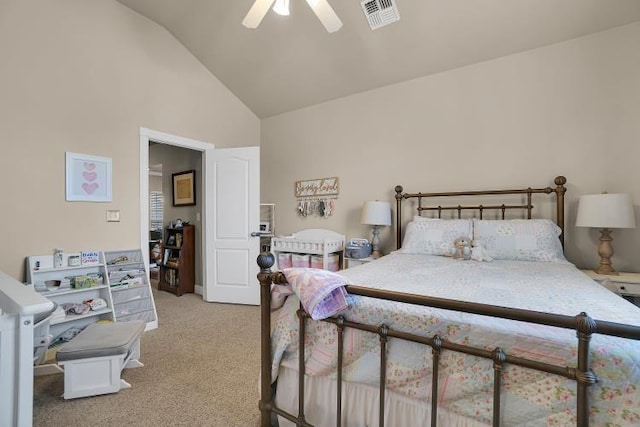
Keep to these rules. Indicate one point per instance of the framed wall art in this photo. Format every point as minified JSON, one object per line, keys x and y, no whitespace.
{"x":184,"y":188}
{"x":265,"y":227}
{"x":88,"y":178}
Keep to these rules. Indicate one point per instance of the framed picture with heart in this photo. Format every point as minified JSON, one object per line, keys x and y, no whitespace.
{"x":88,"y":178}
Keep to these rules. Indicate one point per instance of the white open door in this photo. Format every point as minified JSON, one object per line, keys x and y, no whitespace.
{"x":232,"y":215}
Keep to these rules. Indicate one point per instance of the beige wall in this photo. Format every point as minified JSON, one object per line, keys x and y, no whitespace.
{"x":517,"y":121}
{"x":83,"y":76}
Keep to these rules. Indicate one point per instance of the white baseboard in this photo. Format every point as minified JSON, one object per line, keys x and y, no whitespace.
{"x":197,"y":289}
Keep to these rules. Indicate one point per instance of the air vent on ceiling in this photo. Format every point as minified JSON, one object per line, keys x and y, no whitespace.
{"x":380,"y":12}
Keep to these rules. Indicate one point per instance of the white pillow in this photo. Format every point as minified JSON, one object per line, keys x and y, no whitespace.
{"x":434,"y":237}
{"x":519,"y":239}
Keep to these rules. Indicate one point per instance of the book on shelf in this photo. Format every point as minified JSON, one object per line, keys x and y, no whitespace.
{"x":171,"y":277}
{"x":172,"y":262}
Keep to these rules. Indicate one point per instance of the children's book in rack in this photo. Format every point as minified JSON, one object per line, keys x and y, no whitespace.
{"x":130,"y":287}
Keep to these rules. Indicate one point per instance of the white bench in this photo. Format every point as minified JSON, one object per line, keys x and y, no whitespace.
{"x":94,"y":359}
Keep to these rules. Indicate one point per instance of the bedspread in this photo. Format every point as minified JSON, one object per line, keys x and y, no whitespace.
{"x":529,"y":397}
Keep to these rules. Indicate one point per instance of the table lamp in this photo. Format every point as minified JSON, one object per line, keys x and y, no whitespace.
{"x":605,"y":211}
{"x":376,"y":214}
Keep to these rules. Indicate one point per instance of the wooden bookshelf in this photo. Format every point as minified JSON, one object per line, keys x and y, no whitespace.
{"x":177,"y":268}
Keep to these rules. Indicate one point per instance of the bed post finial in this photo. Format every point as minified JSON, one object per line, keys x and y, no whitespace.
{"x":560,"y":189}
{"x":265,"y":261}
{"x":398,"y":216}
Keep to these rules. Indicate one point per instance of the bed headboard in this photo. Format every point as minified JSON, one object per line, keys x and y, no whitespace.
{"x":559,"y":191}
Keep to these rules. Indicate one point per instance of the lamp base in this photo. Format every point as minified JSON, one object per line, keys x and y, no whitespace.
{"x":606,"y":270}
{"x":605,"y":250}
{"x":375,"y":243}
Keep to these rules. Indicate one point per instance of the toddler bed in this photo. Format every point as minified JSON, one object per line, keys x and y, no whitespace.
{"x":440,"y":336}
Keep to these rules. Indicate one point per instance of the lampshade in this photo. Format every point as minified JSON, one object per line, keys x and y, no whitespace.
{"x":376,"y":213}
{"x":605,"y":211}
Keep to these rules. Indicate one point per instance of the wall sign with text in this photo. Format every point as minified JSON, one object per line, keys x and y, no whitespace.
{"x":317,"y":187}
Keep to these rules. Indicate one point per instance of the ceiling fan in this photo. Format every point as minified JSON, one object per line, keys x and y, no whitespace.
{"x":321,"y":8}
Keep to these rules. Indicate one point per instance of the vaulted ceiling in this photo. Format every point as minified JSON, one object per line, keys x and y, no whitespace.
{"x":291,"y":62}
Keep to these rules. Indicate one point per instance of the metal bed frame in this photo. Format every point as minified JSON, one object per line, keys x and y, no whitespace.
{"x":584,"y":325}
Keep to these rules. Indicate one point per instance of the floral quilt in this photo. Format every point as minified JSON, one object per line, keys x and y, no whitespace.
{"x":529,"y":398}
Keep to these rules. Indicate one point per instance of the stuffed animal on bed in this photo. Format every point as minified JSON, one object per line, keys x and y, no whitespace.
{"x":462,"y":248}
{"x":478,"y":253}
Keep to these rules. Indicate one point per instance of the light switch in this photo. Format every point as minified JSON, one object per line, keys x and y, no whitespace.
{"x":113,"y":216}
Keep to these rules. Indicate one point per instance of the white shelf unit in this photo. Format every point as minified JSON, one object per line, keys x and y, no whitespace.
{"x":40,"y":271}
{"x":312,"y":241}
{"x":267,"y":225}
{"x":128,"y":280}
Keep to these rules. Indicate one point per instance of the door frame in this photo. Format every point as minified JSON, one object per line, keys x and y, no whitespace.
{"x":149,"y":135}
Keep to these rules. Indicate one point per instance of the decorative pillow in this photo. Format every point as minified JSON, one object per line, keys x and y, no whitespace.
{"x":519,"y":239}
{"x":434,"y":237}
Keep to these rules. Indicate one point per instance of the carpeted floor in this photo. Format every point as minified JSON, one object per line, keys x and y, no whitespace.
{"x":201,"y":369}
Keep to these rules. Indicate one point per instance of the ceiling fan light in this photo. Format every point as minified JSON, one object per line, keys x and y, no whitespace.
{"x":281,"y":7}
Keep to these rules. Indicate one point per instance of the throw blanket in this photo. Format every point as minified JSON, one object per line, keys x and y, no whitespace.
{"x":321,"y":292}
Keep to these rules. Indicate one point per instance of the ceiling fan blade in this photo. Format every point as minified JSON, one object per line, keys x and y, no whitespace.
{"x":326,"y":15}
{"x":256,"y":13}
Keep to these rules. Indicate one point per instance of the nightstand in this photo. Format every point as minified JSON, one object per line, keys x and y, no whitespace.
{"x":625,"y":284}
{"x":352,"y":262}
